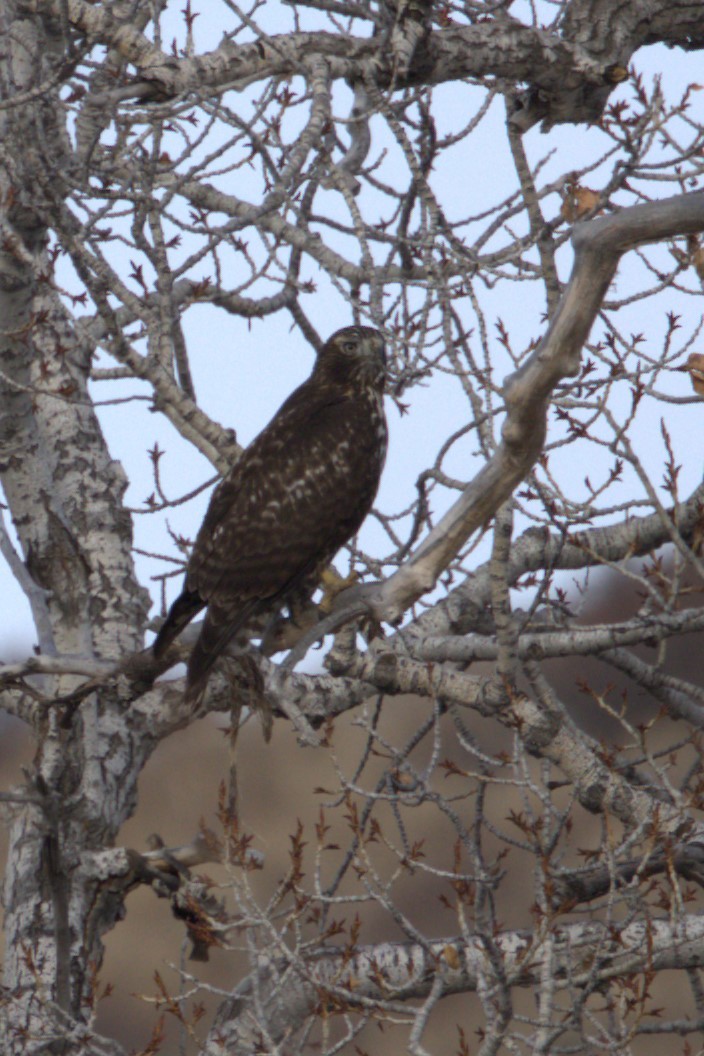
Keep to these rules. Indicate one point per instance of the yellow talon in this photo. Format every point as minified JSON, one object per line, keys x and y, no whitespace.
{"x":332,"y":584}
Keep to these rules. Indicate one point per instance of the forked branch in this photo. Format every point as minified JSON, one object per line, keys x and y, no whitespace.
{"x":286,"y":994}
{"x":598,"y":244}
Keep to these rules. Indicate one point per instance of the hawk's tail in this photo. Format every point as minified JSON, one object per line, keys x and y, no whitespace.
{"x":218,"y":630}
{"x":187,"y":604}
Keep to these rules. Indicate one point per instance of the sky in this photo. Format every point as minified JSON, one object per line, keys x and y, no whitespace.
{"x":242,"y":374}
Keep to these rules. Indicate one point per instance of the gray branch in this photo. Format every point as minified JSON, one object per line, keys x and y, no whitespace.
{"x":599,"y":245}
{"x":277,"y":999}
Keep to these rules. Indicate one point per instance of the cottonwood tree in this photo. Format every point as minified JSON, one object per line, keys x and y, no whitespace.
{"x":433,"y":170}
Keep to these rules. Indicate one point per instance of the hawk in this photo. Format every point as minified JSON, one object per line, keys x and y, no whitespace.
{"x":298,"y":492}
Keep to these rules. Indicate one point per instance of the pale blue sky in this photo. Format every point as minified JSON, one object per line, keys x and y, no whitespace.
{"x":242,"y":374}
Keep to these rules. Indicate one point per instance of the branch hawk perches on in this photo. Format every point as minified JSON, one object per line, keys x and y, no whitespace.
{"x":300,"y":490}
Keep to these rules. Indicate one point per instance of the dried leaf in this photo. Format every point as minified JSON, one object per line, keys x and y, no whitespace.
{"x":695,"y":368}
{"x":698,"y":261}
{"x":577,"y":202}
{"x":452,"y":957}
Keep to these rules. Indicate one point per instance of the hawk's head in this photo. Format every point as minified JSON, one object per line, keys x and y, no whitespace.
{"x":354,"y":354}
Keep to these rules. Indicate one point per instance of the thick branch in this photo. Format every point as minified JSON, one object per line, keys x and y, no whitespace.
{"x":576,"y":641}
{"x":571,"y":73}
{"x":464,"y":608}
{"x":587,"y":954}
{"x":598,"y":244}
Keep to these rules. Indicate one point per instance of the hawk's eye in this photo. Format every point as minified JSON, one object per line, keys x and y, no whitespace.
{"x":349,"y":346}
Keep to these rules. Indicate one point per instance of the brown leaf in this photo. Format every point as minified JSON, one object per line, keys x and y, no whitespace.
{"x":695,"y":368}
{"x":577,"y":202}
{"x":698,"y":261}
{"x":452,"y":957}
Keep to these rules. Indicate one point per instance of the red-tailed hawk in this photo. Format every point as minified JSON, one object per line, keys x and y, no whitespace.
{"x":300,"y":490}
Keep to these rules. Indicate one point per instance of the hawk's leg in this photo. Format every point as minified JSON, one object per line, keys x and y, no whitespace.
{"x":282,"y":633}
{"x":332,"y":584}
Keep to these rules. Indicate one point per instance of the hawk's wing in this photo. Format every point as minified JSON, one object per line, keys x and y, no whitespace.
{"x":297,"y":493}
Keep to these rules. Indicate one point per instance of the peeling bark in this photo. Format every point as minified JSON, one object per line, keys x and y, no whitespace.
{"x":89,"y":97}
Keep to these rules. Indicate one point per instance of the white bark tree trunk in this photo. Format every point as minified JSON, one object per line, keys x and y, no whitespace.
{"x":65,"y":882}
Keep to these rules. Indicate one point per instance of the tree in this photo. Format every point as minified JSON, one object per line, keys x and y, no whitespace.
{"x":303,"y":164}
